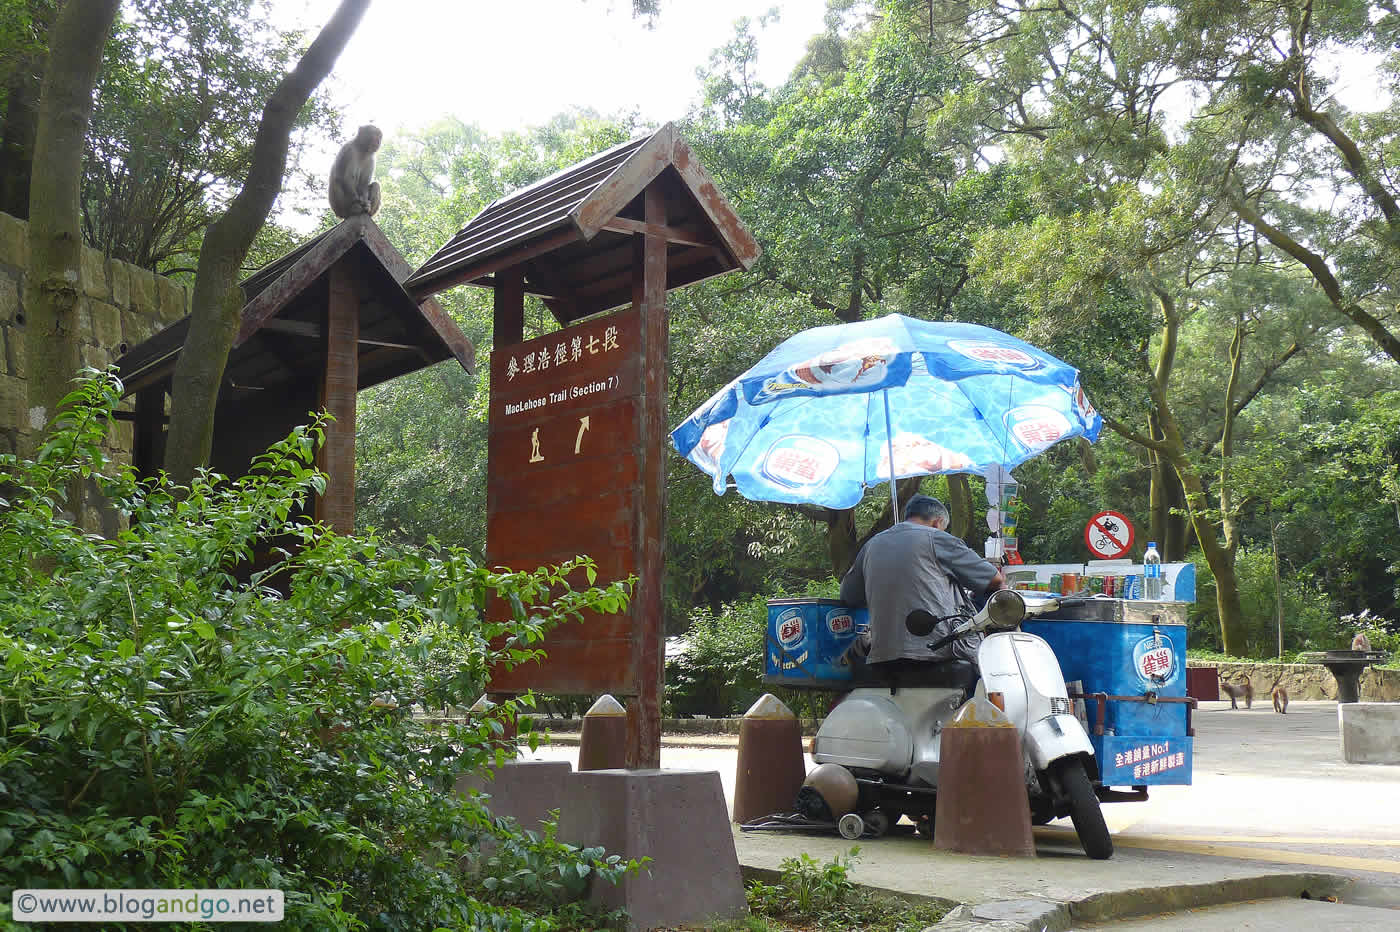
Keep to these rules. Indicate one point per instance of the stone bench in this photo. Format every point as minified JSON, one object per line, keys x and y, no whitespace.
{"x":1370,"y":732}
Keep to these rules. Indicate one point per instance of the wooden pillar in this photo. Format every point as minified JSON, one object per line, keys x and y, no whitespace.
{"x":649,"y":296}
{"x":336,"y":508}
{"x":508,"y":318}
{"x":507,"y":329}
{"x":147,"y":446}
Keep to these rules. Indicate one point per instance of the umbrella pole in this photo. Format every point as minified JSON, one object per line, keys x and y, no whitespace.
{"x":889,"y":439}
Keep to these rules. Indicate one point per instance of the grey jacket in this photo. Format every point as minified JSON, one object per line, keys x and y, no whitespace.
{"x":906,"y":567}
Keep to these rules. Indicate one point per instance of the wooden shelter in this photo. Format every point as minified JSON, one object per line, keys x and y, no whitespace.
{"x":320,"y":323}
{"x":577,"y":435}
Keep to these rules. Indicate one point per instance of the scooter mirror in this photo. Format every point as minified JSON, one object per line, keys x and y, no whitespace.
{"x":1005,"y":608}
{"x":920,"y":622}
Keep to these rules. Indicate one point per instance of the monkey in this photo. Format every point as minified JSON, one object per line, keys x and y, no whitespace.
{"x":352,"y":191}
{"x":1245,"y":691}
{"x":1361,"y":642}
{"x":1280,"y":695}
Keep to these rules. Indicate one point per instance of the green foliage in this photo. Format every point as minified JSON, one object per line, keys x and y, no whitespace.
{"x":720,"y":673}
{"x":220,"y":697}
{"x":1309,"y":621}
{"x":813,"y":894}
{"x":182,"y":88}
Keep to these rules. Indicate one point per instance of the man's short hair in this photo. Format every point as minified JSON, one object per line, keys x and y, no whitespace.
{"x":925,"y":507}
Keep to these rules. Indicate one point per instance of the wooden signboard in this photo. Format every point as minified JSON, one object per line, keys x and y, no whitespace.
{"x":563,"y":480}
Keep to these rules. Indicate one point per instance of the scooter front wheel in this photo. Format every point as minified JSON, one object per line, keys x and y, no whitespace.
{"x":851,"y":826}
{"x":1084,"y":809}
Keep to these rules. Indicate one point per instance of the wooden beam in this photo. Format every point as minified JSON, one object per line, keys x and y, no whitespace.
{"x":491,"y":265}
{"x":336,"y":507}
{"x":297,"y":328}
{"x":682,"y":236}
{"x":649,"y":295}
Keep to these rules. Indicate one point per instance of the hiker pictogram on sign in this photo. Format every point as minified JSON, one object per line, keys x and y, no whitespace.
{"x":1109,"y":535}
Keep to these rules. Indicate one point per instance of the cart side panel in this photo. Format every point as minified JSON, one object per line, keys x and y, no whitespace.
{"x":806,"y":641}
{"x":1143,"y":761}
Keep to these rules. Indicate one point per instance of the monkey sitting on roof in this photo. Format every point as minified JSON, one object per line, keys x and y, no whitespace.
{"x":353,"y":190}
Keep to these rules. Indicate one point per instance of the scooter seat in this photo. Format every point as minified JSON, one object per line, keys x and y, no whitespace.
{"x":913,"y":674}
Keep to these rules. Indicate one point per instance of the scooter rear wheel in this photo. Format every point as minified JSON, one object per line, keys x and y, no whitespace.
{"x":1084,"y":809}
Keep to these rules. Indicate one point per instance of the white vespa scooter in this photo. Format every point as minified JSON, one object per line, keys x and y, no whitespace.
{"x":878,"y":749}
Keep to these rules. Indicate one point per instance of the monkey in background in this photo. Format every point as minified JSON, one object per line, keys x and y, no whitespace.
{"x":1280,"y":695}
{"x":1245,"y":691}
{"x":352,"y":190}
{"x":1361,"y":641}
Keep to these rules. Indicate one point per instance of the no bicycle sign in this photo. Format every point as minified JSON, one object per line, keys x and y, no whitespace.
{"x":1109,"y":535}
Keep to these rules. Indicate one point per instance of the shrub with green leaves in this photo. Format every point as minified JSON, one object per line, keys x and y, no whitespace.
{"x":171,"y":719}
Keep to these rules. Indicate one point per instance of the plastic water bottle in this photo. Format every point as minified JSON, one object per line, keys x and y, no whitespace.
{"x":1152,"y":573}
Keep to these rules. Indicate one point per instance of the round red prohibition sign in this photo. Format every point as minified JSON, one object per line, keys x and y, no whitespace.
{"x":1109,"y":535}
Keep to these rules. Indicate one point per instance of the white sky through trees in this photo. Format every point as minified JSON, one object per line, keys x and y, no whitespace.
{"x":507,"y":64}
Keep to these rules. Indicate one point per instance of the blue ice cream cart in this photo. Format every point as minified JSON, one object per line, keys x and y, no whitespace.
{"x":1127,"y":658}
{"x":1124,"y":661}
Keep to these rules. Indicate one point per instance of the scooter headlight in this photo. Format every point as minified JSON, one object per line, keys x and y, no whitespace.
{"x":1005,"y":608}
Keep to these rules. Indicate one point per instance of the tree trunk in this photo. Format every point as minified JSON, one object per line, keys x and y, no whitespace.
{"x":216,"y":304}
{"x":959,"y":506}
{"x":842,"y":542}
{"x":1168,"y":448}
{"x":54,"y":282}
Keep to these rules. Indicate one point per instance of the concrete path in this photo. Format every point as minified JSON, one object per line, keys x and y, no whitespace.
{"x":1270,"y":915}
{"x":1274,"y":814}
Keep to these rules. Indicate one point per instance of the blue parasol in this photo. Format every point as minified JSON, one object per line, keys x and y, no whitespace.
{"x":835,"y":410}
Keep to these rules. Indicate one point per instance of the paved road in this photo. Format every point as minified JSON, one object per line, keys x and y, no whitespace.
{"x":1268,"y":787}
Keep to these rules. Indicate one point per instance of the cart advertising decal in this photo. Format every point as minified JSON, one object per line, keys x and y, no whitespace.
{"x":789,"y":627}
{"x":840,"y":623}
{"x":1154,"y":660}
{"x":1129,"y":761}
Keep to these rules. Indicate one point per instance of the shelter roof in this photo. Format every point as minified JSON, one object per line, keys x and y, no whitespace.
{"x":281,"y":338}
{"x":573,"y":232}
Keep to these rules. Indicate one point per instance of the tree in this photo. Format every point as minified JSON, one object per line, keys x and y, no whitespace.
{"x":861,"y":188}
{"x":182,"y":83}
{"x":216,"y":304}
{"x":55,"y":241}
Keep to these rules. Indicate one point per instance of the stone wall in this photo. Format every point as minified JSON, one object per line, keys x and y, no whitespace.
{"x":1306,"y":680}
{"x":120,"y":306}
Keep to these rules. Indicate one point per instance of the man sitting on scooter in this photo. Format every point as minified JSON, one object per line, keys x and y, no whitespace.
{"x":916,"y":564}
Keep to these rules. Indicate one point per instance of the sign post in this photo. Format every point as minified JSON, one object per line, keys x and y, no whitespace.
{"x":1109,"y":535}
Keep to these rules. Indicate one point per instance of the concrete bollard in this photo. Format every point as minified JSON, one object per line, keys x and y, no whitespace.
{"x":602,"y":744}
{"x":1370,"y":732}
{"x":771,"y":768}
{"x":982,"y":807}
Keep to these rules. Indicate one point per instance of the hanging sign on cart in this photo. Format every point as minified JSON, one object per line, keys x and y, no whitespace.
{"x":1109,"y":535}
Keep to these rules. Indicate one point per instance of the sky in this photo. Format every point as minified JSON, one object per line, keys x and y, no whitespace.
{"x":508,"y":64}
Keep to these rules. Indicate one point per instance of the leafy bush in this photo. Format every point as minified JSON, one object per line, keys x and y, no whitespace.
{"x":721,"y":671}
{"x":1309,"y":623}
{"x":813,"y":894}
{"x":166,"y":723}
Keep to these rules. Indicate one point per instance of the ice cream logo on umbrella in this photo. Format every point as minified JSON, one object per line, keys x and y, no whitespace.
{"x":997,"y":353}
{"x":1082,"y":407}
{"x":849,"y":366}
{"x":711,"y":446}
{"x":1037,"y":426}
{"x":1154,"y":660}
{"x":800,"y":462}
{"x":915,"y":455}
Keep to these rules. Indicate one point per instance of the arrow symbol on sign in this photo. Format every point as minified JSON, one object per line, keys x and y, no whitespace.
{"x":582,"y":426}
